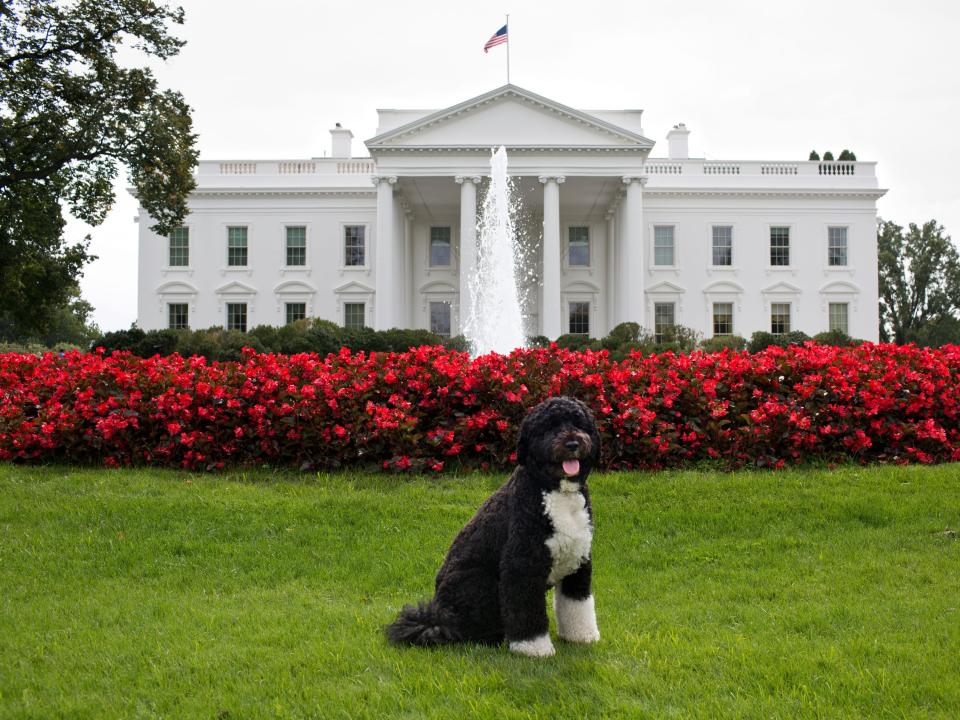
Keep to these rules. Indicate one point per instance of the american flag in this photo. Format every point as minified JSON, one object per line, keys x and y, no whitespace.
{"x":500,"y":36}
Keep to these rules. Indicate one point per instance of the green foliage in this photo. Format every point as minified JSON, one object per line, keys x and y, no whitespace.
{"x":943,"y":330}
{"x":538,"y":341}
{"x":679,"y":339}
{"x":847,"y":155}
{"x":70,"y":113}
{"x":625,"y":332}
{"x":919,"y":281}
{"x":573,"y":341}
{"x":828,"y":156}
{"x":836,"y":338}
{"x":723,"y":342}
{"x":814,"y":155}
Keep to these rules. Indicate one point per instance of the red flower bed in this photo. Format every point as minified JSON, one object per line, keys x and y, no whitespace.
{"x":431,"y":408}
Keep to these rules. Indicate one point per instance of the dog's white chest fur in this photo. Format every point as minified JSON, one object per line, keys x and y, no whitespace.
{"x":570,"y":543}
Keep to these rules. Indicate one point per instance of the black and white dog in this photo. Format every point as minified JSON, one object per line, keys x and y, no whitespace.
{"x":532,"y":534}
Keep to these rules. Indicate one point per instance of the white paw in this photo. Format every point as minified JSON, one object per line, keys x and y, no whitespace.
{"x":576,"y":619}
{"x":535,"y":647}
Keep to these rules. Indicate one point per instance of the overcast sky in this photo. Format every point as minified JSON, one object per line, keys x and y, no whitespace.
{"x":753,"y":80}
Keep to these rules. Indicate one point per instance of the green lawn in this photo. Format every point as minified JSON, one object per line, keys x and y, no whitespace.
{"x":808,"y":593}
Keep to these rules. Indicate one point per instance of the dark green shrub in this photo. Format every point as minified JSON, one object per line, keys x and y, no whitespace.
{"x":573,"y":341}
{"x":836,"y":338}
{"x":828,"y":156}
{"x":121,"y":339}
{"x":678,"y":339}
{"x":719,"y":343}
{"x":814,"y":155}
{"x":796,"y":337}
{"x":457,"y":342}
{"x":625,"y":332}
{"x":761,"y":340}
{"x":538,"y":341}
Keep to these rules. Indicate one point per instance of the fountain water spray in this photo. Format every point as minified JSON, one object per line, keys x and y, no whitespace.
{"x":494,"y":323}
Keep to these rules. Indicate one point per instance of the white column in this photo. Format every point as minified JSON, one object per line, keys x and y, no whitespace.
{"x":611,"y":282}
{"x":408,"y":301}
{"x":468,"y":242}
{"x":552,"y":311}
{"x":387,"y":256}
{"x":633,"y":249}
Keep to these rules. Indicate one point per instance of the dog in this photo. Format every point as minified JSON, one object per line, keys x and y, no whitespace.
{"x":532,"y":534}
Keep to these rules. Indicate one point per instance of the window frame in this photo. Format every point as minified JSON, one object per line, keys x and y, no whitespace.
{"x":246,"y":247}
{"x":286,"y":312}
{"x":653,"y":247}
{"x":170,"y":249}
{"x":770,"y":247}
{"x":347,"y":305}
{"x":343,"y":245}
{"x":846,"y":316}
{"x":286,"y":246}
{"x":430,"y":238}
{"x":713,"y":228}
{"x":588,"y":265}
{"x":789,"y":316}
{"x":713,"y":318}
{"x":570,"y":318}
{"x":846,"y":247}
{"x":186,"y":315}
{"x":449,"y":306}
{"x":657,"y":304}
{"x":228,"y":305}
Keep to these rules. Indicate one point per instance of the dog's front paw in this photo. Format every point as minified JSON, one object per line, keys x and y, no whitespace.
{"x":576,"y":619}
{"x":535,"y":647}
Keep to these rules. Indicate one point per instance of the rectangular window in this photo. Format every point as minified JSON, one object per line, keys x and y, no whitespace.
{"x":440,"y":247}
{"x":296,"y":311}
{"x":177,"y":314}
{"x":354,"y":246}
{"x":354,"y":316}
{"x":723,"y":318}
{"x":664,"y":316}
{"x":837,"y":246}
{"x":580,"y":318}
{"x":780,"y":246}
{"x":779,"y":318}
{"x":578,"y":251}
{"x":722,"y":245}
{"x":297,"y":245}
{"x":663,"y":247}
{"x":237,"y":316}
{"x":237,"y":246}
{"x":440,"y":318}
{"x":839,"y":317}
{"x":180,"y":247}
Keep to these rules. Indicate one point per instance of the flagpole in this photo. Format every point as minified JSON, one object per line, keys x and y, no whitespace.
{"x":508,"y":48}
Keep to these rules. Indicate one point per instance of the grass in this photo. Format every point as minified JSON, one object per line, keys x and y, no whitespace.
{"x":802,"y":593}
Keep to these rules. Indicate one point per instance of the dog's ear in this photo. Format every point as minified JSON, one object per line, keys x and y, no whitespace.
{"x":523,"y":442}
{"x":591,"y":427}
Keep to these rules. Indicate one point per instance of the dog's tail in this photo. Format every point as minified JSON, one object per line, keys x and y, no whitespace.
{"x":424,"y":625}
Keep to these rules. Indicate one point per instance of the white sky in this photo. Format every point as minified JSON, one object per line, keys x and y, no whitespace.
{"x":752,"y":79}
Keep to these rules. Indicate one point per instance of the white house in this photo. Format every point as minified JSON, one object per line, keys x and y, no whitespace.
{"x":729,"y":246}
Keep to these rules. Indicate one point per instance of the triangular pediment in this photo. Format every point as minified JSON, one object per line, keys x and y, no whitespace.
{"x":781,"y":288}
{"x":236,"y":288}
{"x":509,"y":116}
{"x":664,"y":286}
{"x":353,"y":287}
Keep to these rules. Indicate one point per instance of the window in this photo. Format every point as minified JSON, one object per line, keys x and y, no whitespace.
{"x":237,"y":316}
{"x":663,"y":249}
{"x":722,"y":245}
{"x":723,"y":318}
{"x":440,"y":318}
{"x":837,"y":246}
{"x":580,"y":318}
{"x":838,"y":317}
{"x":780,"y":246}
{"x":237,"y":246}
{"x":180,"y":247}
{"x":296,"y":245}
{"x":296,"y":311}
{"x":664,"y":316}
{"x":354,"y":246}
{"x":177,"y":314}
{"x":578,"y":247}
{"x":440,"y":247}
{"x":779,"y":318}
{"x":354,"y":315}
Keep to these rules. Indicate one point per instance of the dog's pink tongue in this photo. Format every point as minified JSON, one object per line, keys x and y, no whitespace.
{"x":571,"y":467}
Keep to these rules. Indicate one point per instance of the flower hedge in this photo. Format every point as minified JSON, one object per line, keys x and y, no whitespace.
{"x":432,"y":408}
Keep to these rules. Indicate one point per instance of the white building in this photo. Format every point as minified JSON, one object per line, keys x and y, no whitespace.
{"x":727,"y":246}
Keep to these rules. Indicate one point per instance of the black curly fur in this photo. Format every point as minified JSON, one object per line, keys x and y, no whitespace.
{"x":493,"y":582}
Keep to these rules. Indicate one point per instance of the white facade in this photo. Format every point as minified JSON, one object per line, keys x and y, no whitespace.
{"x":699,"y":243}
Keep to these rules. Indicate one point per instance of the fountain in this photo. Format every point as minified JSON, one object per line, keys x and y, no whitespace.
{"x":494,"y":322}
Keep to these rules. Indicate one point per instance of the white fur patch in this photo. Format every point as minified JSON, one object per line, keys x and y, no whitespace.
{"x":576,"y":619}
{"x":537,"y":647}
{"x":570,"y":543}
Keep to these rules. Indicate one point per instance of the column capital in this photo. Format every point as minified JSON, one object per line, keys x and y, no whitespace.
{"x":377,"y":179}
{"x":558,"y":178}
{"x":461,"y":179}
{"x":642,"y":179}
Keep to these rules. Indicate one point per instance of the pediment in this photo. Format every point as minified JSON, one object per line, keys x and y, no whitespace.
{"x":582,"y":286}
{"x":838,"y":287}
{"x":176,"y":287}
{"x":723,"y":286}
{"x":437,"y":286}
{"x":236,"y":288}
{"x":665,"y":286}
{"x":353,"y":287}
{"x":781,"y":288}
{"x":509,"y":116}
{"x":294,"y":287}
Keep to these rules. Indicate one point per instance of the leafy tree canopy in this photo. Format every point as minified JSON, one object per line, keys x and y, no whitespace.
{"x":70,"y":114}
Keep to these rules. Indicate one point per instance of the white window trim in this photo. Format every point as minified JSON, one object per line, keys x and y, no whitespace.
{"x":187,"y":269}
{"x":838,"y":301}
{"x":342,"y":320}
{"x":367,"y":246}
{"x":565,"y":249}
{"x":733,"y":318}
{"x":792,"y":267}
{"x":294,"y":269}
{"x":293,"y":291}
{"x":228,"y":269}
{"x":178,"y":301}
{"x":723,"y":291}
{"x":675,"y":268}
{"x":355,"y":292}
{"x":439,"y":291}
{"x":791,"y":305}
{"x":829,"y":269}
{"x":454,"y":265}
{"x":176,"y":291}
{"x":663,"y":299}
{"x":664,"y":292}
{"x":732,"y":267}
{"x":449,"y":304}
{"x":570,"y":298}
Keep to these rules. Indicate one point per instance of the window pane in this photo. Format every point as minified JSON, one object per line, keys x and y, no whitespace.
{"x":839,"y":317}
{"x":440,"y":318}
{"x":180,"y":247}
{"x":837,"y":246}
{"x":296,"y":245}
{"x":440,"y":247}
{"x":237,"y":316}
{"x":580,"y":318}
{"x":780,"y":246}
{"x":722,"y":245}
{"x":237,"y":246}
{"x":354,"y":246}
{"x":296,"y":311}
{"x":779,"y":318}
{"x":663,"y":319}
{"x":663,"y":246}
{"x":579,"y":247}
{"x":177,"y":316}
{"x":354,"y":315}
{"x":723,"y":318}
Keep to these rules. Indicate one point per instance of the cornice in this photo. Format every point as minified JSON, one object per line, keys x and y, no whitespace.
{"x":270,"y":192}
{"x":863,"y":193}
{"x":414,"y":149}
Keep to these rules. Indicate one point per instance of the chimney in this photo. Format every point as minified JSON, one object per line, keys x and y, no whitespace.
{"x":677,"y":138}
{"x":340,"y":140}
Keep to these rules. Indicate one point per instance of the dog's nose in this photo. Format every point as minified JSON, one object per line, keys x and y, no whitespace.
{"x":572,"y":445}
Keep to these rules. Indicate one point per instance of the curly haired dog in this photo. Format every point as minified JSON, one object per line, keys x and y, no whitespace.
{"x":534,"y":533}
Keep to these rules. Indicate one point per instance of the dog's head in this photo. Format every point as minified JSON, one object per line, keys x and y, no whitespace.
{"x":559,"y":441}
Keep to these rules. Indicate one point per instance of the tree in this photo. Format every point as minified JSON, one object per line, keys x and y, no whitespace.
{"x":828,"y":156}
{"x":919,"y":281}
{"x":847,"y":155}
{"x":69,"y":115}
{"x":814,"y":155}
